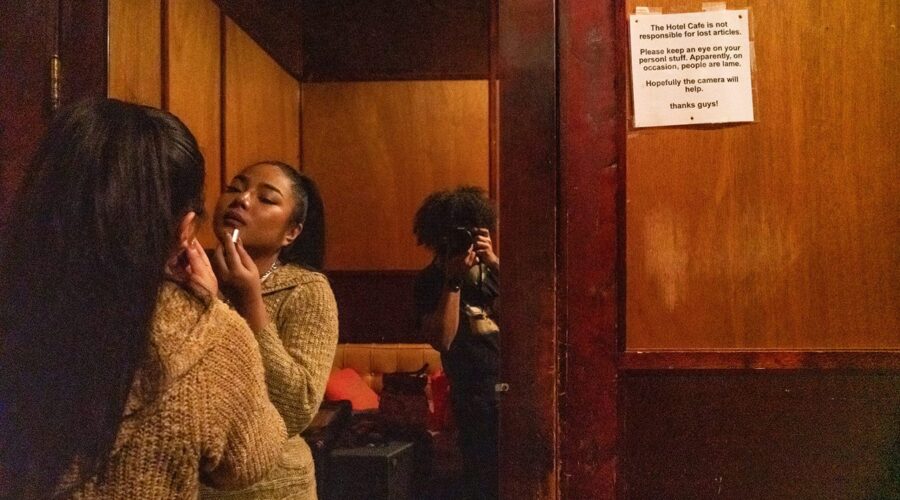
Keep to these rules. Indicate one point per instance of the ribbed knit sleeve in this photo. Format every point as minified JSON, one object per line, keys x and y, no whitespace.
{"x":247,"y":433}
{"x":298,"y":349}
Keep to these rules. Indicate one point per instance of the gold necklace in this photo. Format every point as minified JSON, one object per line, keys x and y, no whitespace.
{"x":271,"y":270}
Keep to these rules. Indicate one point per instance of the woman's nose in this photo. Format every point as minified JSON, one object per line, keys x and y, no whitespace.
{"x":242,"y":199}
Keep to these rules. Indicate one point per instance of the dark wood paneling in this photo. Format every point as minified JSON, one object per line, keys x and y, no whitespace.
{"x":274,"y":25}
{"x":528,"y":184}
{"x":83,"y":48}
{"x":375,"y":306}
{"x":591,"y":121}
{"x":770,"y":360}
{"x":391,"y":40}
{"x":27,"y":39}
{"x":31,"y":32}
{"x":761,"y":435}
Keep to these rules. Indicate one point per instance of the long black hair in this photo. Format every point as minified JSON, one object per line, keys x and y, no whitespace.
{"x":308,"y":249}
{"x":81,"y":264}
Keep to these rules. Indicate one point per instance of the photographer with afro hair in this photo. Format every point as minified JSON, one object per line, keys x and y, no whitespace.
{"x":456,"y":300}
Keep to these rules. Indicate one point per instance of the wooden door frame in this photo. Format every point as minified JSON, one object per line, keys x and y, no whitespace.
{"x":561,"y":143}
{"x":560,"y":193}
{"x":528,"y":222}
{"x":564,"y":282}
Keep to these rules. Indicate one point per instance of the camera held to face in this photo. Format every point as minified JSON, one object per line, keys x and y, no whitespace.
{"x":459,"y":240}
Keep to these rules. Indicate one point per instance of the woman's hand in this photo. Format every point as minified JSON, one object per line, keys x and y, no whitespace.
{"x":193,"y":269}
{"x":236,"y":270}
{"x":240,"y":279}
{"x":484,"y":248}
{"x":457,"y":266}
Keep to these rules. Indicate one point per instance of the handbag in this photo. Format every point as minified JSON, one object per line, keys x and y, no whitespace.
{"x":404,"y":403}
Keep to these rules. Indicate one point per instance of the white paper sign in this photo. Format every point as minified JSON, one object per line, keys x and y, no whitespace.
{"x":691,"y":68}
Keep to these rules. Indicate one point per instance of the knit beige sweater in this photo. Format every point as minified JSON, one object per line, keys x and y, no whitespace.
{"x":299,"y":343}
{"x":298,"y":349}
{"x":209,"y":417}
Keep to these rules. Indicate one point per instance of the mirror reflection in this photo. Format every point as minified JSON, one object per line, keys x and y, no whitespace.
{"x":347,"y":221}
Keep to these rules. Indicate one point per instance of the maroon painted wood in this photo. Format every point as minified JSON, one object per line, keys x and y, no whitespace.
{"x":591,"y":121}
{"x":756,"y":360}
{"x":528,"y":218}
{"x":361,"y":40}
{"x":274,"y":25}
{"x":83,"y":48}
{"x":31,"y":33}
{"x":761,"y":435}
{"x":375,"y":306}
{"x":27,"y":39}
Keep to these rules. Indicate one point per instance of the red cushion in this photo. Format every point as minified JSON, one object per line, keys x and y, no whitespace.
{"x":347,"y":384}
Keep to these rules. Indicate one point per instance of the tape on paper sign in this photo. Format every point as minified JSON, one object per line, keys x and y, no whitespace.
{"x":712,"y":6}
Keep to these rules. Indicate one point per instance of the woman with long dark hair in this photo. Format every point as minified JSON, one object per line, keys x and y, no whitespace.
{"x":121,"y":374}
{"x":270,"y":222}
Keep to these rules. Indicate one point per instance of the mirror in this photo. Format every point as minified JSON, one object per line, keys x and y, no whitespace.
{"x":380,"y":103}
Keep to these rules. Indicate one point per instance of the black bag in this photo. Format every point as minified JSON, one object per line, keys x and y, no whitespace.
{"x":404,"y":404}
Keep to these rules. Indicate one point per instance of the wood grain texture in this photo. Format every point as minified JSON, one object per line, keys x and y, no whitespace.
{"x":758,"y":435}
{"x":357,"y":40}
{"x":262,"y":106}
{"x":591,"y":122}
{"x":781,"y":233}
{"x":528,"y":185}
{"x":134,"y":51}
{"x":274,"y":25}
{"x":194,"y":87}
{"x":377,"y":149}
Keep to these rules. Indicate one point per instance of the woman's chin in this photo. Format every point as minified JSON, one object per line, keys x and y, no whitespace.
{"x":222,"y":231}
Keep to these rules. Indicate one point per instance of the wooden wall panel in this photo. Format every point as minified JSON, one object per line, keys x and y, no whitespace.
{"x":275,"y":26}
{"x":376,"y":306}
{"x":194,"y":90}
{"x":781,"y":233}
{"x":134,"y":51}
{"x":262,"y":106}
{"x":378,"y":149}
{"x":761,"y":435}
{"x":390,"y":40}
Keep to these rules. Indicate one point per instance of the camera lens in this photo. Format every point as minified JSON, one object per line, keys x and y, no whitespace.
{"x":459,"y":240}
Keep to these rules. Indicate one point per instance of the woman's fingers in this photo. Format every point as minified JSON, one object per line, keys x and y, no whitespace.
{"x":232,"y":259}
{"x":245,"y":258}
{"x":199,"y":269}
{"x":470,"y":259}
{"x":203,"y":257}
